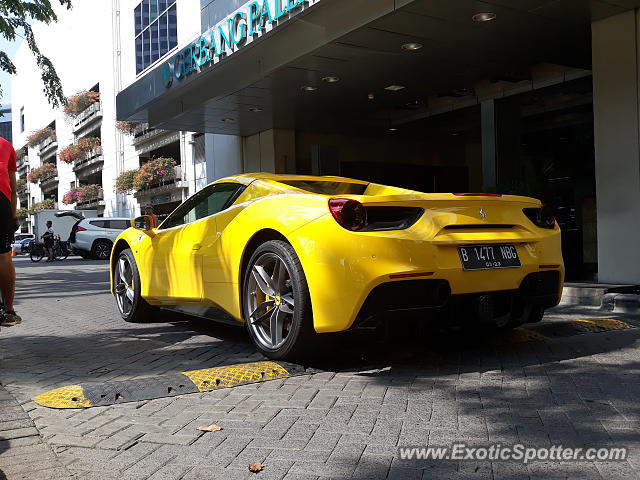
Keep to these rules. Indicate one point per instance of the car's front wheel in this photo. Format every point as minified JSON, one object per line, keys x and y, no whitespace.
{"x":101,"y":249}
{"x":276,"y":302}
{"x":126,"y":278}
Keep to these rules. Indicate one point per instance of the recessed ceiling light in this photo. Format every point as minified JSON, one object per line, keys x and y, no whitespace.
{"x":484,"y":17}
{"x":371,"y":96}
{"x":455,"y":134}
{"x":331,"y":79}
{"x":394,"y":88}
{"x":309,"y":88}
{"x":412,"y":47}
{"x":228,"y":120}
{"x":392,"y":129}
{"x":255,"y":109}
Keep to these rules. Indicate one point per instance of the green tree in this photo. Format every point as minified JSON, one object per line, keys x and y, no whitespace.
{"x":17,"y":15}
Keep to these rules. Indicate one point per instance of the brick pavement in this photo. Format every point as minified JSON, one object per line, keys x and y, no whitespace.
{"x":346,"y":422}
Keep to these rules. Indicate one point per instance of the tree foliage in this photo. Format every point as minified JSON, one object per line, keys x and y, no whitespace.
{"x":16,"y":15}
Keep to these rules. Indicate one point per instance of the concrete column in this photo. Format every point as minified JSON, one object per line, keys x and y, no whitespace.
{"x":223,"y":155}
{"x":617,"y":147}
{"x":489,"y":145}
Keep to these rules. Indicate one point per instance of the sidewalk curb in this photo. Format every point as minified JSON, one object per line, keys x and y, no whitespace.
{"x":23,"y":453}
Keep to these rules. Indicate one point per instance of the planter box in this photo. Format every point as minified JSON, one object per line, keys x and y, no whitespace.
{"x":89,"y":165}
{"x":87,"y":119}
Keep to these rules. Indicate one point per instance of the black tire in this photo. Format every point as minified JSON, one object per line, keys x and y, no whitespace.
{"x":101,"y":249}
{"x":36,"y":254}
{"x":85,"y":255}
{"x":301,"y":338}
{"x":61,"y":253}
{"x":535,"y":315}
{"x":140,"y":311}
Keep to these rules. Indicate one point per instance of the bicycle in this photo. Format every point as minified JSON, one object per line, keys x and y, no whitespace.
{"x":61,"y":250}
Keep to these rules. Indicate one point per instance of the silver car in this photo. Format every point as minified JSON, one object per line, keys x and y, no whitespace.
{"x":94,"y":237}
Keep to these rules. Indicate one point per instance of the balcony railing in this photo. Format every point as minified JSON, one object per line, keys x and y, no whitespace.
{"x":93,"y":203}
{"x":89,"y":165}
{"x":167,"y":184}
{"x":146,"y":139}
{"x":86,"y":119}
{"x":48,"y":147}
{"x":48,"y":184}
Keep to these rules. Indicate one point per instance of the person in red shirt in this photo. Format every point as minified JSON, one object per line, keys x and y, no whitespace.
{"x":8,"y":225}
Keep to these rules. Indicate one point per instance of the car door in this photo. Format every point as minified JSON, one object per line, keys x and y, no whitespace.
{"x":176,"y":248}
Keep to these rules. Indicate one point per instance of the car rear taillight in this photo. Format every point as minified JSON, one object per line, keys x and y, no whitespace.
{"x":543,"y":217}
{"x":349,"y":213}
{"x":81,"y":229}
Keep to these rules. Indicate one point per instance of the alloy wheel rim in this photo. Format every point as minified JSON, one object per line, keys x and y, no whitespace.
{"x":102,"y":251}
{"x":124,"y":290}
{"x":270,"y":301}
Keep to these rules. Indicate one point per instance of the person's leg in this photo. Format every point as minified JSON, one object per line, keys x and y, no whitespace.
{"x":7,"y":280}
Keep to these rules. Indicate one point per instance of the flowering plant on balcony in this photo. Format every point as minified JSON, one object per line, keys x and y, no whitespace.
{"x":80,"y":102}
{"x":39,"y":136}
{"x":88,"y":193}
{"x":71,"y":196}
{"x":22,"y":213}
{"x":79,"y":150}
{"x":153,"y":172}
{"x":124,"y":181}
{"x":20,"y":154}
{"x":47,"y":170}
{"x":21,"y":185}
{"x":48,"y":204}
{"x":127,"y":127}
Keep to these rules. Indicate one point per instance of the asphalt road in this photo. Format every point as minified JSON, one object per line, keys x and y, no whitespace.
{"x":375,"y":394}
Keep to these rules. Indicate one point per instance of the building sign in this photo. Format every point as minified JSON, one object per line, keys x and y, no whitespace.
{"x":249,"y":22}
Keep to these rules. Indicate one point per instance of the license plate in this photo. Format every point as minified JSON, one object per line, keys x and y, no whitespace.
{"x":486,"y":257}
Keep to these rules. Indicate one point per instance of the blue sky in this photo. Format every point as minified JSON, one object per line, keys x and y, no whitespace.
{"x":5,"y":79}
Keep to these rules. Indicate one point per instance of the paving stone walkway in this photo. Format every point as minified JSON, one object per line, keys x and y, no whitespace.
{"x":346,"y":422}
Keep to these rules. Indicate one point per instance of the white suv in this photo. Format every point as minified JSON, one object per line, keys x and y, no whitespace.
{"x":94,"y":237}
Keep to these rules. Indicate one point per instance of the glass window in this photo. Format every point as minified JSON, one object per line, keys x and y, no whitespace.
{"x":172,"y":19}
{"x":137,"y":18}
{"x":99,"y":223}
{"x":327,"y":188}
{"x":119,"y":224}
{"x":155,"y":52}
{"x":205,"y":203}
{"x":156,"y":30}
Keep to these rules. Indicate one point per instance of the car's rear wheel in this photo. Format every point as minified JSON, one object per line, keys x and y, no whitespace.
{"x":276,"y":302}
{"x":101,"y":249}
{"x":126,"y":278}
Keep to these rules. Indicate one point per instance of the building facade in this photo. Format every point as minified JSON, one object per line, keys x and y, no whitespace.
{"x":80,"y":156}
{"x":537,"y":98}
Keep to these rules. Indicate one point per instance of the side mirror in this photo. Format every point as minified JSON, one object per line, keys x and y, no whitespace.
{"x":144,"y":223}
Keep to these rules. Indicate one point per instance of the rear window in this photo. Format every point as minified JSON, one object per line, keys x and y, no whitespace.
{"x":322,"y":187}
{"x":119,"y":224}
{"x":99,"y":223}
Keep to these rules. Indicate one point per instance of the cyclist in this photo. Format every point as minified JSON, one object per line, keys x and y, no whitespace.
{"x":8,"y":225}
{"x":48,"y":238}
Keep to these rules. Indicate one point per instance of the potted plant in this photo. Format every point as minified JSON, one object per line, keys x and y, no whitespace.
{"x":127,"y":127}
{"x":88,"y":193}
{"x":124,"y":181}
{"x":79,"y":150}
{"x":46,"y":170}
{"x":80,"y":102}
{"x":154,"y":172}
{"x":48,"y":204}
{"x":39,"y":136}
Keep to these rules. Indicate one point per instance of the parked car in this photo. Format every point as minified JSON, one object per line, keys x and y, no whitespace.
{"x":21,"y":236}
{"x":293,"y":257}
{"x":93,"y":237}
{"x":22,"y":246}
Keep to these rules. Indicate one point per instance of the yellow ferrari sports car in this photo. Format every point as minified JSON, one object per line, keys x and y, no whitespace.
{"x":293,"y":257}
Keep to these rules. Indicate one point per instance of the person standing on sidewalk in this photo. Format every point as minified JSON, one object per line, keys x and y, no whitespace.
{"x":48,"y":237}
{"x":8,"y":225}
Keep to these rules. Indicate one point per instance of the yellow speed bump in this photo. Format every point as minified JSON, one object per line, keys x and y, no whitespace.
{"x":194,"y":381}
{"x":518,"y":335}
{"x":71,"y":396}
{"x":603,"y":324}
